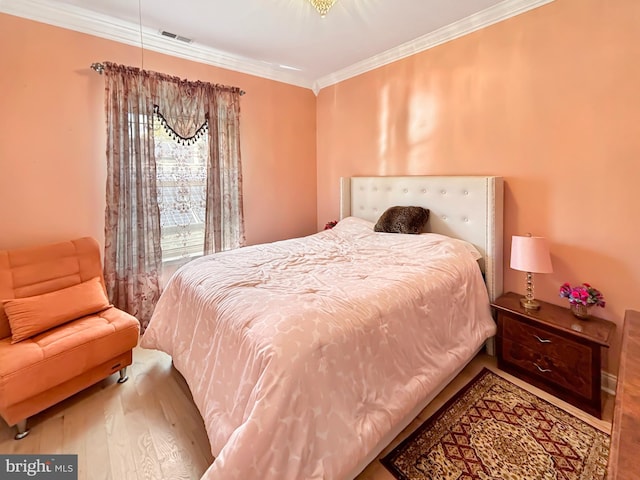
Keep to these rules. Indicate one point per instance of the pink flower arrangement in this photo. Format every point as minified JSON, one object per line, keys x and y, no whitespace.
{"x":584,"y":294}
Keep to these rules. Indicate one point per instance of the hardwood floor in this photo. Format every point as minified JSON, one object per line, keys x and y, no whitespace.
{"x":146,"y":428}
{"x":149,"y":428}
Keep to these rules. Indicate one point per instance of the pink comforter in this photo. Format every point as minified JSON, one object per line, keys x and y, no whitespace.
{"x":302,"y":354}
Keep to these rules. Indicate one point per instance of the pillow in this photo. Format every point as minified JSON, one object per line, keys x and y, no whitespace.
{"x":403,"y":220}
{"x":29,"y":316}
{"x":470,"y":247}
{"x":355,"y":221}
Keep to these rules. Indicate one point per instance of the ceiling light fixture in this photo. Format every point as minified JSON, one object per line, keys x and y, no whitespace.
{"x":322,"y":6}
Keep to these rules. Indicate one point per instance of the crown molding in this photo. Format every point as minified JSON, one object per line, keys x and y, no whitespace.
{"x":497,"y":13}
{"x":104,"y":26}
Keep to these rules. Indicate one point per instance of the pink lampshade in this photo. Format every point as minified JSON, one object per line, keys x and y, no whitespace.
{"x":530,"y":254}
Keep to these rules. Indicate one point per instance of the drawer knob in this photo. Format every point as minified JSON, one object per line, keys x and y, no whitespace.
{"x":543,"y":370}
{"x":542,"y":340}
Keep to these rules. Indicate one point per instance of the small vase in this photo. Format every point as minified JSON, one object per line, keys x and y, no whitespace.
{"x":579,"y":310}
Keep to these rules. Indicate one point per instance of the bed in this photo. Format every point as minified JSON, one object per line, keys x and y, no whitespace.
{"x":306,"y":357}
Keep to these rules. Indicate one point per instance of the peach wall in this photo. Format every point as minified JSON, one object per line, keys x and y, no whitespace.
{"x":52,"y":138}
{"x":550,"y":100}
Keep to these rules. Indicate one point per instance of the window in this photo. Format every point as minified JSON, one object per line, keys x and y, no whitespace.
{"x":137,"y":230}
{"x":181,"y":179}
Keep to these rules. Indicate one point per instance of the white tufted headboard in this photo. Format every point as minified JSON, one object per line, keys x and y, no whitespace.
{"x":465,"y":207}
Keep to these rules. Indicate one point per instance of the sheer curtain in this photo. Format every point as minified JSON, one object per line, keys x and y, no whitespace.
{"x":187,"y":110}
{"x":224,"y":228}
{"x":182,"y":193}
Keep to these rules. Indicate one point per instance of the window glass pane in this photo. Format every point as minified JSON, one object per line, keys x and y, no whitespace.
{"x":181,"y":173}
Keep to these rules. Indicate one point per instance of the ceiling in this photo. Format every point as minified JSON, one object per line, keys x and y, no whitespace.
{"x":285,"y":40}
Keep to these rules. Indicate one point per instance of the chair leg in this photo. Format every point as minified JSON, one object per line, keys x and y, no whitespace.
{"x":23,"y":431}
{"x":123,"y":375}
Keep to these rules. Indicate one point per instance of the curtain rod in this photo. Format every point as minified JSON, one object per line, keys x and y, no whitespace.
{"x":99,"y":67}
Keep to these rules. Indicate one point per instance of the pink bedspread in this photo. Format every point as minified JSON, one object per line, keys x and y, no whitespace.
{"x":302,"y":354}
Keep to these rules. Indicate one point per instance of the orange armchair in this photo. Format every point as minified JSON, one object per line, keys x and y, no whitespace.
{"x":58,"y":332}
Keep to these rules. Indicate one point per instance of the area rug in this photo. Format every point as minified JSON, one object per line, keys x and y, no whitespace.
{"x":493,"y":429}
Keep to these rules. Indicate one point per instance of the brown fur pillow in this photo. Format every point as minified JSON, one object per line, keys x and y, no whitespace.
{"x":403,"y":220}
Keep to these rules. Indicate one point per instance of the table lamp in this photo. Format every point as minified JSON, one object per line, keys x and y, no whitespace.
{"x":530,"y":254}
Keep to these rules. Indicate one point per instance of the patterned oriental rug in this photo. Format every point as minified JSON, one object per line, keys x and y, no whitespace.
{"x":493,"y":429}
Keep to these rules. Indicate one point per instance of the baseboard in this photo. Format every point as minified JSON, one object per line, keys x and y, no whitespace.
{"x":608,"y":382}
{"x":490,"y":346}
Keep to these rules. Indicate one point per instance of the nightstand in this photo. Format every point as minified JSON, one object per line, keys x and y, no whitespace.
{"x":553,"y":350}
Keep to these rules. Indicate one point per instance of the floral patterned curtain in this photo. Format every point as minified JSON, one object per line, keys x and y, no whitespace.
{"x":133,"y":257}
{"x":224,"y":225}
{"x":190,"y":109}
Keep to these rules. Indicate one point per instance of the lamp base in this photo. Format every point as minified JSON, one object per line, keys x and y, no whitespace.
{"x":529,"y":304}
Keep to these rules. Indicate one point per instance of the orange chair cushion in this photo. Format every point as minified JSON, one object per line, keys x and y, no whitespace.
{"x":29,"y":316}
{"x":51,"y":358}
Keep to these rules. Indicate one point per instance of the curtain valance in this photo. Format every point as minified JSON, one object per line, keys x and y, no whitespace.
{"x":181,"y":106}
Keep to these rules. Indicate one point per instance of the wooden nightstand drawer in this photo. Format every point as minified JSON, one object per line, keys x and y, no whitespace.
{"x":570,"y":372}
{"x":546,"y":354}
{"x":537,"y":338}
